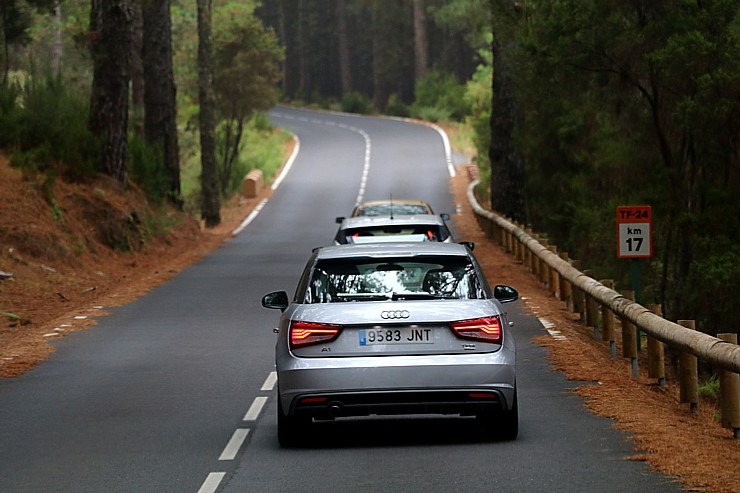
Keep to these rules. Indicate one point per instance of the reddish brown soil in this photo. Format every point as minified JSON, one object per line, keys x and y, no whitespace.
{"x":62,"y":271}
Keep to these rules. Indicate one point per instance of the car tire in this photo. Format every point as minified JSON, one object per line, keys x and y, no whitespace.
{"x":501,"y":424}
{"x":292,"y":430}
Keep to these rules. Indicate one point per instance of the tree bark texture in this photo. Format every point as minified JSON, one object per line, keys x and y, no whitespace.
{"x":345,"y":62}
{"x":57,"y":47}
{"x":421,"y":43}
{"x":110,"y":41}
{"x":210,"y":199}
{"x":137,"y":71}
{"x":380,"y":82}
{"x":160,"y":98}
{"x":507,"y":168}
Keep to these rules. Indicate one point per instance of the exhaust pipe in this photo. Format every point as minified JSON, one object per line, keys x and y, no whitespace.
{"x":335,"y":409}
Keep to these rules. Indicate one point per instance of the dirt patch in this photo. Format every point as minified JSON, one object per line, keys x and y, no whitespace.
{"x":65,"y":273}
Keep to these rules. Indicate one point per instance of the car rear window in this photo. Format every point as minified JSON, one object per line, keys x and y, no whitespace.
{"x":395,"y":209}
{"x":430,"y":232}
{"x":372,"y":279}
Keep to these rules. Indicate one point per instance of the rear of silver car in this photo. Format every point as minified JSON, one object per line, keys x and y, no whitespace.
{"x":420,"y":351}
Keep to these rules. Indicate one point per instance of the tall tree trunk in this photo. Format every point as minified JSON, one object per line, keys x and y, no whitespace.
{"x":110,"y":36}
{"x":507,"y":168}
{"x":304,"y":52}
{"x":160,"y":99}
{"x":421,"y":43}
{"x":137,"y":71}
{"x":380,"y":83}
{"x":210,"y":200}
{"x":345,"y":68}
{"x":57,"y":47}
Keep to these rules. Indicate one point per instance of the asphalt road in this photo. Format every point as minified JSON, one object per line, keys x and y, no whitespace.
{"x":174,"y":392}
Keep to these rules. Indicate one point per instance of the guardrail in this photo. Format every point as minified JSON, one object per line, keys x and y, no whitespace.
{"x":599,"y":304}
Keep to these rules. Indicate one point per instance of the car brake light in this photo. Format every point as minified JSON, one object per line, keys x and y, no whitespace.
{"x":308,"y":333}
{"x":486,"y":329}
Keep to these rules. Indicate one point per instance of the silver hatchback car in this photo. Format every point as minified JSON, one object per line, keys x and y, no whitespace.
{"x":391,"y":329}
{"x":381,"y":229}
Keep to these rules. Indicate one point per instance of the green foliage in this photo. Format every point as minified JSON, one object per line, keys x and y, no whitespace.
{"x":146,"y":170}
{"x":439,"y":97}
{"x":354,"y":102}
{"x":636,"y":104}
{"x":478,"y":99}
{"x":246,"y":62}
{"x":709,"y":388}
{"x":263,"y":149}
{"x":396,"y":107}
{"x":47,"y":128}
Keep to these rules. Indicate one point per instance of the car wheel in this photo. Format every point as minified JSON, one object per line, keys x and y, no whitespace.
{"x":292,"y":430}
{"x":501,"y":424}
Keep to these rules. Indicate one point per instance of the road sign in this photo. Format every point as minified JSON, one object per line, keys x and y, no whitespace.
{"x":635,"y":231}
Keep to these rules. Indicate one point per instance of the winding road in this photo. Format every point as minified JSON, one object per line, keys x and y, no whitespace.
{"x":175,"y":392}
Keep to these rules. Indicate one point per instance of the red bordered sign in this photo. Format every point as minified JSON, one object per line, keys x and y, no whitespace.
{"x":634,"y":231}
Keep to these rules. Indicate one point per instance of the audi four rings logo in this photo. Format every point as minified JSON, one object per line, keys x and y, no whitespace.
{"x":394,"y":314}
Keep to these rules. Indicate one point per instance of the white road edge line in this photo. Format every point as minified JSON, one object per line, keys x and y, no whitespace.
{"x":448,"y":149}
{"x":255,"y":409}
{"x":270,"y":381}
{"x":288,"y":164}
{"x":250,"y":217}
{"x":232,"y":448}
{"x":546,"y":323}
{"x":212,"y":482}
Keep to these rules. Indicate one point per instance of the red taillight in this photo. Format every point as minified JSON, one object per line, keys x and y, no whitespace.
{"x":483,"y":396}
{"x":314,"y":400}
{"x":486,"y":329}
{"x":307,"y":333}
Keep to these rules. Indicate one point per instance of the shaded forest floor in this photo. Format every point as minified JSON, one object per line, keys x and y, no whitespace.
{"x":58,"y":274}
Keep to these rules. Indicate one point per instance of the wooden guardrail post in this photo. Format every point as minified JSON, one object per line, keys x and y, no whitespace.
{"x":544,"y":268}
{"x":729,"y":393}
{"x":566,"y":289}
{"x":608,"y":333}
{"x":688,"y":373}
{"x":579,"y":301}
{"x":656,"y":351}
{"x":629,"y":338}
{"x":592,"y":315}
{"x":592,"y":310}
{"x":535,"y":267}
{"x":521,"y":252}
{"x":553,"y":280}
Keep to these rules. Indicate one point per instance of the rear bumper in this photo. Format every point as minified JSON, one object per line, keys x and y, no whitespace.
{"x":336,"y":405}
{"x":454,"y":384}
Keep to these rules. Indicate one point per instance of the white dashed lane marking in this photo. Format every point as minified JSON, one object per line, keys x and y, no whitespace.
{"x":212,"y":482}
{"x":255,"y":409}
{"x":232,"y":448}
{"x":270,"y":381}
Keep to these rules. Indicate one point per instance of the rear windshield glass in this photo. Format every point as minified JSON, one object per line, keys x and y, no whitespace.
{"x":370,"y":279}
{"x":430,"y":232}
{"x":393,"y":209}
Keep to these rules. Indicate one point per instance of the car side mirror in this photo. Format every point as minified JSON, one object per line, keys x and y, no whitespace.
{"x":445,"y":216}
{"x":468,"y":244}
{"x":277,"y":300}
{"x":339,"y":219}
{"x":505,"y":294}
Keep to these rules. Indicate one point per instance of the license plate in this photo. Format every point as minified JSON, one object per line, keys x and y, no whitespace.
{"x":402,"y":335}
